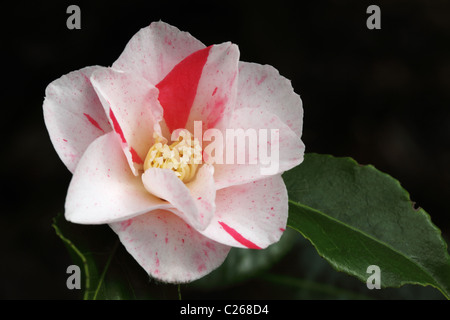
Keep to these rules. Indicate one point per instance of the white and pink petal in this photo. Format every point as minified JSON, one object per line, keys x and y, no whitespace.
{"x":269,"y":147}
{"x":194,"y":201}
{"x":132,"y":107}
{"x":262,"y":87}
{"x":179,"y":88}
{"x":168,"y":248}
{"x":155,"y":50}
{"x":202,"y":87}
{"x":217,"y":88}
{"x":252,"y":215}
{"x":103,"y":189}
{"x":74,"y":115}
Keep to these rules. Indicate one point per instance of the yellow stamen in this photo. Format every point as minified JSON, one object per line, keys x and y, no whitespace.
{"x":183,"y":156}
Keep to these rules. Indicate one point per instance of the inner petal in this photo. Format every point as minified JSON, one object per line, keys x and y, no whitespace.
{"x":182,"y":156}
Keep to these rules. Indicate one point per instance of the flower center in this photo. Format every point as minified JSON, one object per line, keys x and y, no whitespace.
{"x":183,"y":156}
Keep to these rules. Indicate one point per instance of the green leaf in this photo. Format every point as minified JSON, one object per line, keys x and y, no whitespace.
{"x":357,"y":216}
{"x":303,"y":274}
{"x":102,"y":277}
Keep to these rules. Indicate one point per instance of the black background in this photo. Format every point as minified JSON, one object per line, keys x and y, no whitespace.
{"x":379,"y":96}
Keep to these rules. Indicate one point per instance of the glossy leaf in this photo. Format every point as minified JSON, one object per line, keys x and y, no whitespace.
{"x":357,"y":216}
{"x":303,"y":274}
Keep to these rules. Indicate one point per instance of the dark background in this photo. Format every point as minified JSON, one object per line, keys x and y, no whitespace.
{"x":379,"y":96}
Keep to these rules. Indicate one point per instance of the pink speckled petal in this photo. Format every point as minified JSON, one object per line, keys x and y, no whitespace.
{"x":194,"y":200}
{"x":264,"y":162}
{"x":252,"y":215}
{"x":168,"y":248}
{"x":261,"y":86}
{"x":73,"y":115}
{"x":217,"y":88}
{"x":103,"y":188}
{"x":132,"y":106}
{"x":155,"y":50}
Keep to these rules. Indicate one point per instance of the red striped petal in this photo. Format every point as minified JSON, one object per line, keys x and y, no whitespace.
{"x":178,"y":89}
{"x":238,"y":237}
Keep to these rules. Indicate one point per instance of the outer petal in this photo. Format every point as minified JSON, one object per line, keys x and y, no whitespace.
{"x":73,"y":115}
{"x":194,"y":200}
{"x":252,"y":215}
{"x":280,"y":149}
{"x":104,"y":190}
{"x":155,"y":50}
{"x":132,"y":106}
{"x":168,"y":248}
{"x":261,"y":86}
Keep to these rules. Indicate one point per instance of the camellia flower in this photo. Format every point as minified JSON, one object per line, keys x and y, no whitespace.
{"x":114,"y":129}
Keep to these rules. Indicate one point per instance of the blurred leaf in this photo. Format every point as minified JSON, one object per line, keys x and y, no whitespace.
{"x":102,"y":279}
{"x":357,"y":216}
{"x":312,"y":289}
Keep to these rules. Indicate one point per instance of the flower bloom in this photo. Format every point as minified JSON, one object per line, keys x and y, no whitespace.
{"x":113,"y":128}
